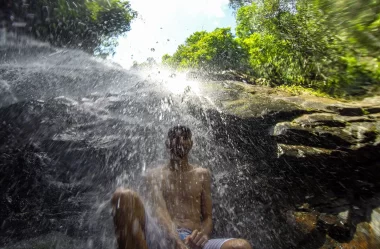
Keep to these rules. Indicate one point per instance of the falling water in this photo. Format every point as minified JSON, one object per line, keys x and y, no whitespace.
{"x":74,"y":128}
{"x":89,"y":126}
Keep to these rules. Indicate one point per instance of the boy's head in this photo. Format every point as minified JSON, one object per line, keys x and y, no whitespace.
{"x":179,"y":141}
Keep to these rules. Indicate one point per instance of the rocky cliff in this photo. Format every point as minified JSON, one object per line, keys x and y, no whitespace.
{"x":326,"y":163}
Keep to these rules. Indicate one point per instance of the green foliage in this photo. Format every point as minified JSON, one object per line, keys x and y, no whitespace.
{"x":236,"y":4}
{"x":209,"y":51}
{"x":298,"y":90}
{"x":148,"y":64}
{"x":283,"y":46}
{"x":88,"y":24}
{"x":331,"y":46}
{"x":299,"y":43}
{"x":358,"y":21}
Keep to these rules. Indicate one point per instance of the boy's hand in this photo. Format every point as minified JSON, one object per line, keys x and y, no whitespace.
{"x":196,"y":240}
{"x":181,"y":246}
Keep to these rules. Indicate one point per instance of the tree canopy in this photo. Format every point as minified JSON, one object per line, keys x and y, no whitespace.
{"x":216,"y":50}
{"x":328,"y":45}
{"x":304,"y":44}
{"x":91,"y":25}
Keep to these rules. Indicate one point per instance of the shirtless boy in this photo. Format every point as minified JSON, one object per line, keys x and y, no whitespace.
{"x":179,"y":195}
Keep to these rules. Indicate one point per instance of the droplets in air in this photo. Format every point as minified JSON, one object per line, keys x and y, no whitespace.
{"x":144,"y":167}
{"x":166,"y":104}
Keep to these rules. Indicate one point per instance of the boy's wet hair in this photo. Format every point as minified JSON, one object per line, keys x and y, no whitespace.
{"x":179,"y":130}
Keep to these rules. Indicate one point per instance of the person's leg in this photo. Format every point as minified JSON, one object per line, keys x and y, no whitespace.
{"x":129,"y":219}
{"x":236,"y":244}
{"x":224,"y":243}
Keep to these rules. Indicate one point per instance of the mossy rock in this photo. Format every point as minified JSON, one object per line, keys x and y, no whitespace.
{"x":243,"y":100}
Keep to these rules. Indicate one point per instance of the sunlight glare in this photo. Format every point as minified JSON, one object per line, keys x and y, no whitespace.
{"x":178,"y":83}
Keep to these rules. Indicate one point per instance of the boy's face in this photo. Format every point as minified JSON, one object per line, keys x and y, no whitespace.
{"x":180,"y":145}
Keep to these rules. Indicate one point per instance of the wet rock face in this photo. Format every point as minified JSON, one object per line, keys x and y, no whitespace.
{"x":59,"y":162}
{"x":334,"y":155}
{"x":35,"y":70}
{"x":322,"y":145}
{"x":60,"y":159}
{"x":39,"y":194}
{"x":324,"y":154}
{"x":318,"y":152}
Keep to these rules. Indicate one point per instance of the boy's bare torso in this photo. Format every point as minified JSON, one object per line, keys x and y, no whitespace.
{"x":179,"y":196}
{"x":186,"y":194}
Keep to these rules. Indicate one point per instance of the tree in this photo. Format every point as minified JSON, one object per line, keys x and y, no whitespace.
{"x":328,"y":45}
{"x":210,"y":51}
{"x":356,"y":20}
{"x":88,"y":24}
{"x":236,"y":4}
{"x":294,"y":43}
{"x":148,"y":64}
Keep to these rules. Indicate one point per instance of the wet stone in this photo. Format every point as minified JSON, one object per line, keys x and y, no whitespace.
{"x":306,"y":220}
{"x":346,"y":111}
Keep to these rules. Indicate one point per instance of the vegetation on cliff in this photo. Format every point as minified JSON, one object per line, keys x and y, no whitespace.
{"x":91,"y":25}
{"x":210,"y":51}
{"x":327,"y":45}
{"x":332,"y":46}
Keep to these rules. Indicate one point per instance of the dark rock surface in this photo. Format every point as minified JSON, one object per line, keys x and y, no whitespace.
{"x":327,"y":158}
{"x":335,"y":157}
{"x":62,"y":158}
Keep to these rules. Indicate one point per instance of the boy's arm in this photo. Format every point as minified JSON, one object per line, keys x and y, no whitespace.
{"x":158,"y":205}
{"x":206,"y":203}
{"x":198,"y":239}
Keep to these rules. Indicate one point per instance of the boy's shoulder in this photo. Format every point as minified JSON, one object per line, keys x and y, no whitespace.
{"x":154,"y":172}
{"x":202,"y":171}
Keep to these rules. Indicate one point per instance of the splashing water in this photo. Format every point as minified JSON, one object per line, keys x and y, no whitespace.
{"x":99,"y":127}
{"x":80,"y":127}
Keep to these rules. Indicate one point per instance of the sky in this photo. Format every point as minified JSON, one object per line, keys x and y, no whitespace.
{"x":163,"y":25}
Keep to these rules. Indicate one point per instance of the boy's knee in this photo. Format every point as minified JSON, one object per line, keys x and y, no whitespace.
{"x":127,"y":207}
{"x":123,"y":196}
{"x":243,"y":244}
{"x":236,"y":244}
{"x":123,"y":192}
